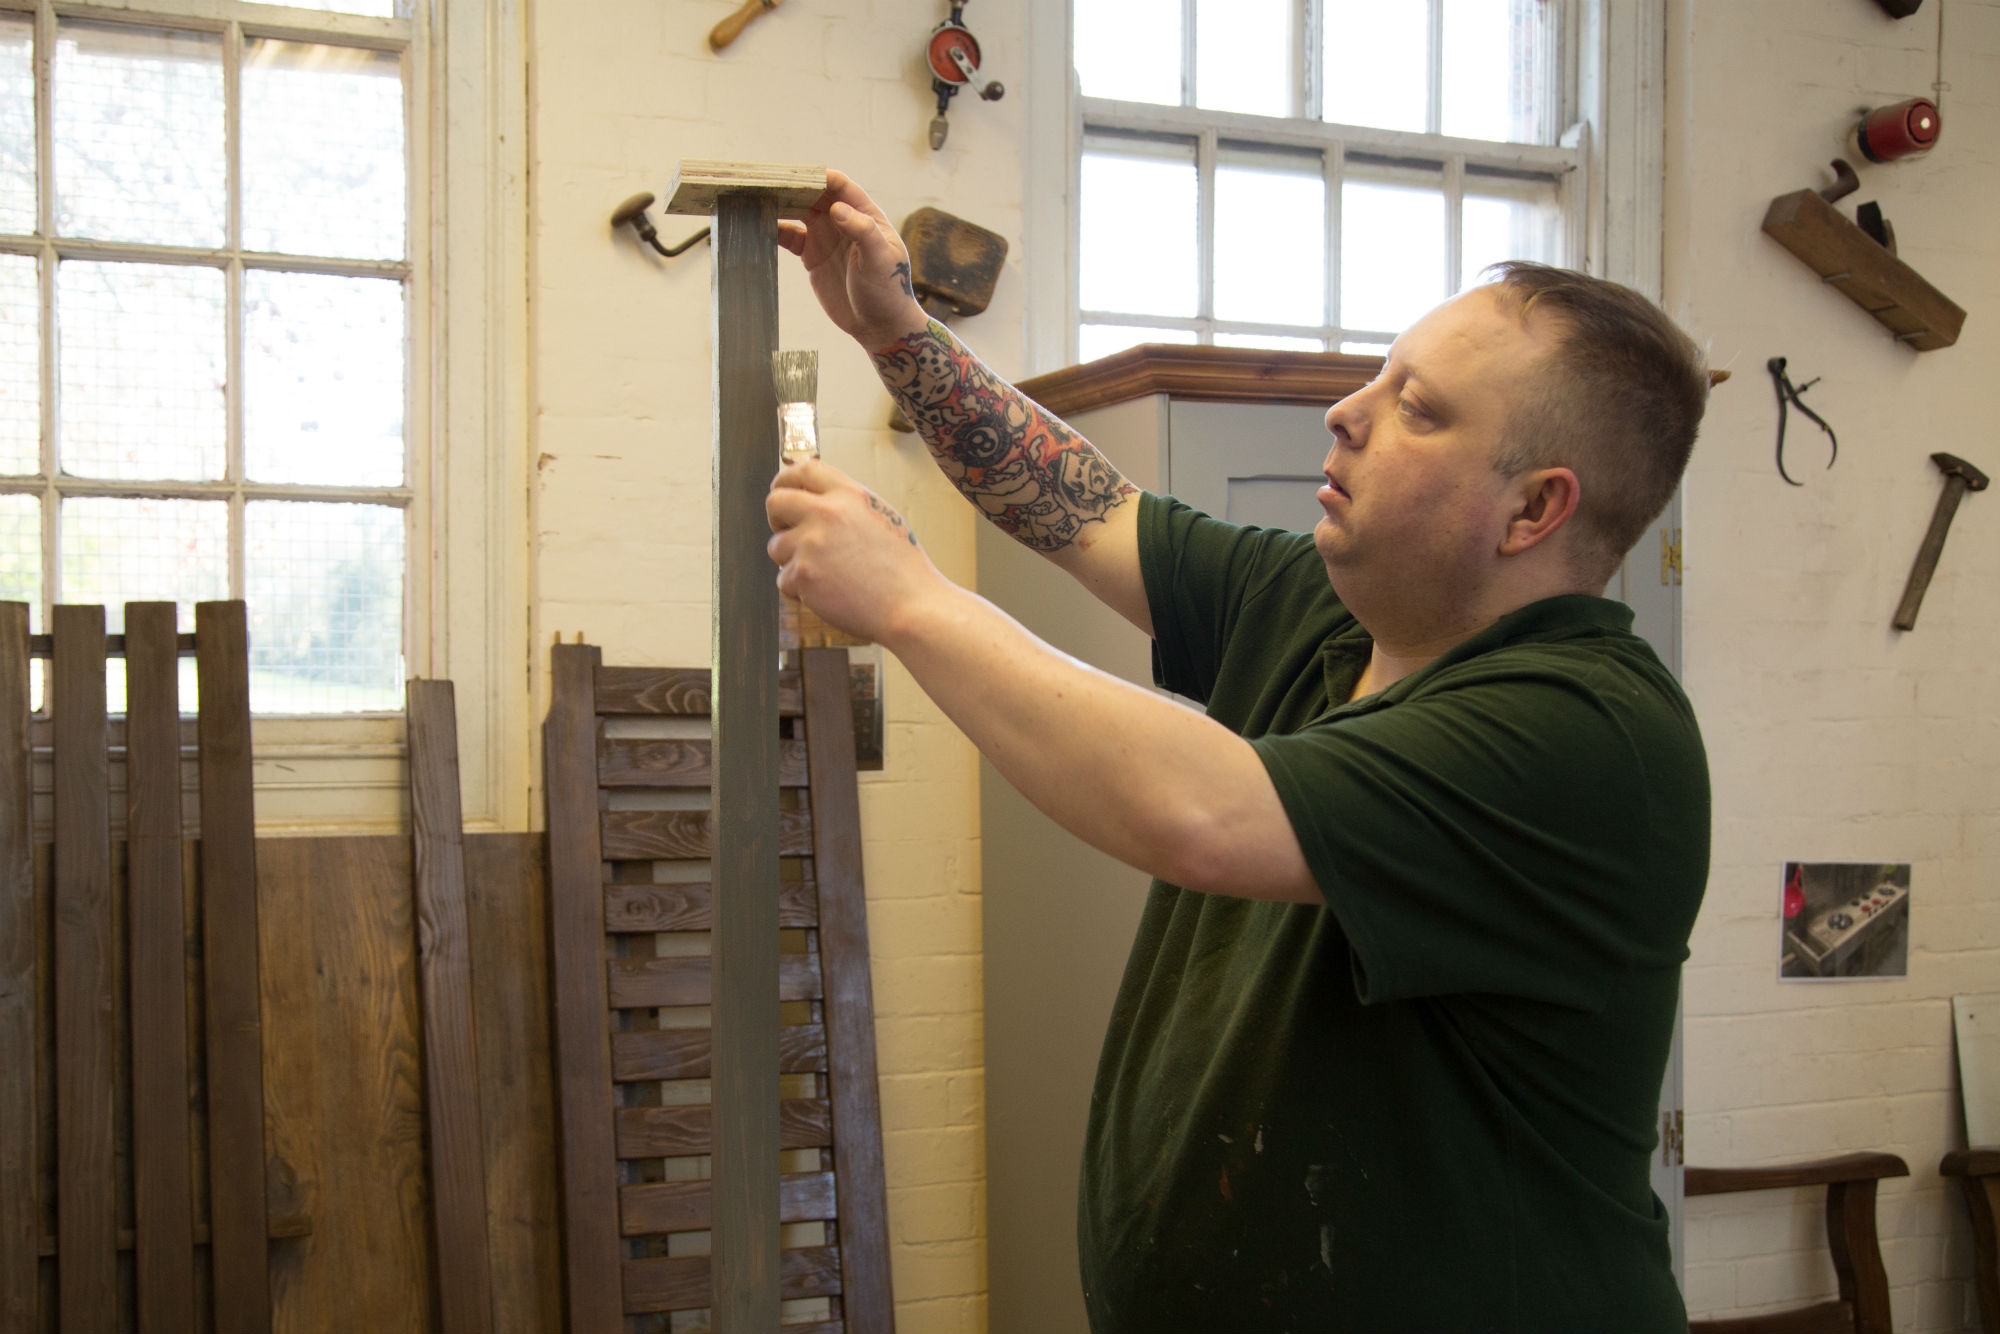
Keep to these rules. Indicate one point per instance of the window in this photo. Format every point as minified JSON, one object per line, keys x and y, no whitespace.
{"x":1311,"y":174}
{"x":223,"y":366}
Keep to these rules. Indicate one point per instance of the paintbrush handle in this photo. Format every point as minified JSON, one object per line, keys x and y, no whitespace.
{"x":732,"y":27}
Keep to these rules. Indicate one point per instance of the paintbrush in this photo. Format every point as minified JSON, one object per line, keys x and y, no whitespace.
{"x":795,"y":375}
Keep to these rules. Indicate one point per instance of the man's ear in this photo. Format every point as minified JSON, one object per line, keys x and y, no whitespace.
{"x":1546,"y":499}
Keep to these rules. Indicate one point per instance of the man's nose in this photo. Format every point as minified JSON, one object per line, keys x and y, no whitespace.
{"x":1347,"y":423}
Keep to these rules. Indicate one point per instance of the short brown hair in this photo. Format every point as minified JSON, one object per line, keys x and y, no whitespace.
{"x":1619,"y":401}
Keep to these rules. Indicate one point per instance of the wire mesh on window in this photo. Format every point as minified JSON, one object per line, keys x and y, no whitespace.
{"x":21,"y":570}
{"x":374,"y":8}
{"x":1391,"y":245}
{"x":1149,"y":268}
{"x":142,"y":370}
{"x":1497,"y":83}
{"x":17,"y":123}
{"x":1270,"y":238}
{"x":324,"y":583}
{"x":139,"y":135}
{"x":20,"y":366}
{"x":323,"y":159}
{"x":1510,"y":218}
{"x":323,"y":379}
{"x":117,"y":550}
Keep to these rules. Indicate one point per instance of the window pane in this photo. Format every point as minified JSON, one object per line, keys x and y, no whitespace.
{"x":1510,"y":218}
{"x":21,"y":554}
{"x":1138,"y":227}
{"x":119,"y":551}
{"x":1391,"y":245}
{"x":1129,"y":49}
{"x":1270,"y":238}
{"x":385,"y":9}
{"x":323,"y":169}
{"x":138,"y":134}
{"x":1243,"y":56}
{"x":1282,"y":342}
{"x":326,"y":606}
{"x":1496,"y":81}
{"x":142,"y":370}
{"x":323,"y":379}
{"x":20,"y":366}
{"x":1377,"y":63}
{"x":1101,"y":340}
{"x":17,"y":123}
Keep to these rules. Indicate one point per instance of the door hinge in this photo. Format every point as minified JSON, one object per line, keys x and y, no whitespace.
{"x":1670,"y":555}
{"x":1673,"y":1138}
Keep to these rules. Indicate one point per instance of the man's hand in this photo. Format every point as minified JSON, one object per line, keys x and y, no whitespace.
{"x":859,"y":267}
{"x":845,"y":553}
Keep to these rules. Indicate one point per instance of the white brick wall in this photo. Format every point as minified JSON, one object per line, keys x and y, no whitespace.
{"x":621,"y":90}
{"x":1831,"y":737}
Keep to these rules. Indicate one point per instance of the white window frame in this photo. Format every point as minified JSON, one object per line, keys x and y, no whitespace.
{"x":1612,"y":156}
{"x":465,"y":491}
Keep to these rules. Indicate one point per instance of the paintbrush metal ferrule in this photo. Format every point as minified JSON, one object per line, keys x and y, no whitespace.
{"x":796,"y":377}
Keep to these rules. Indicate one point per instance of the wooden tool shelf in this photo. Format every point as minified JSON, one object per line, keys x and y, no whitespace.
{"x":1847,"y":258}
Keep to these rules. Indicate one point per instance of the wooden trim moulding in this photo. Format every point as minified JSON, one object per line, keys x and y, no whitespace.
{"x":1204,"y":374}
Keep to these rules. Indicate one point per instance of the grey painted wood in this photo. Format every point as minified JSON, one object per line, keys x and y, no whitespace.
{"x":20,"y":1175}
{"x":744,"y":1239}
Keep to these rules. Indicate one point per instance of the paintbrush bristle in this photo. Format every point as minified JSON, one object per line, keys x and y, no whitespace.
{"x":796,"y":375}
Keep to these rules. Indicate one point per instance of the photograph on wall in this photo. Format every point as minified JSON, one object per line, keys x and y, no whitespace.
{"x":1845,"y":920}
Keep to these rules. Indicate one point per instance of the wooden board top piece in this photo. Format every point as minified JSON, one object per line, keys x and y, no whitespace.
{"x":698,"y":184}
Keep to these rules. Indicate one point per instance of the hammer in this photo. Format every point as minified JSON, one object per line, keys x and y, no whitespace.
{"x":1959,"y":477}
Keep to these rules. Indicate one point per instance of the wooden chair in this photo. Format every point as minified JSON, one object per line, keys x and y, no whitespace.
{"x":1978,"y":1173}
{"x":627,"y":765}
{"x":1850,"y":1180}
{"x":71,"y":1026}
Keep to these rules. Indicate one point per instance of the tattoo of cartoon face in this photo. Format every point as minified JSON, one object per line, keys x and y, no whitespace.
{"x":1039,"y":481}
{"x":902,"y":271}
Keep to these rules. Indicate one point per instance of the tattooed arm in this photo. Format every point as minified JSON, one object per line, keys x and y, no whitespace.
{"x":1038,"y":480}
{"x":1029,"y":474}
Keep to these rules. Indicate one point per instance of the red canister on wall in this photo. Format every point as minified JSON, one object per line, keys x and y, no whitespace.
{"x":1890,"y":132}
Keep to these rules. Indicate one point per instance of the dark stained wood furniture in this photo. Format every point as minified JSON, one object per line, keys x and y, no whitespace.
{"x":1978,"y":1173}
{"x":632,"y":844}
{"x":1850,"y":1181}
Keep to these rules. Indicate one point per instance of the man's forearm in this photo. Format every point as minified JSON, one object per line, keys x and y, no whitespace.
{"x":1039,"y":481}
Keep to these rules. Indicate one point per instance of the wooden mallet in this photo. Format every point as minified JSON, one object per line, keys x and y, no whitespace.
{"x":1959,"y":477}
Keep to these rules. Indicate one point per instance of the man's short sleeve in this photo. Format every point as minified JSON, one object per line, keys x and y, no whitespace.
{"x":1460,"y":835}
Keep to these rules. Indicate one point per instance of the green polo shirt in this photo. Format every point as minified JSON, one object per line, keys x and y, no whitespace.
{"x":1430,"y":1104}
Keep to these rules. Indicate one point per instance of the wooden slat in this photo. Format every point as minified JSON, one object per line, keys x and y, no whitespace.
{"x":666,"y":762}
{"x":644,"y":983}
{"x":700,"y":187}
{"x":235,"y":1051}
{"x":162,"y":1176}
{"x":576,"y":948}
{"x":43,"y":646}
{"x":20,"y":1181}
{"x":683,"y":1206}
{"x":684,"y":1283}
{"x":867,"y":1302}
{"x":86,"y":1044}
{"x":675,"y":692}
{"x":683,"y":1053}
{"x":451,"y":1065}
{"x":745,"y":661}
{"x":690,"y":836}
{"x":663,"y":1132}
{"x":686,"y":907}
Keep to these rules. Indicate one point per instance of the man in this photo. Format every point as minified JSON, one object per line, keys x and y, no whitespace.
{"x":1388,"y":1050}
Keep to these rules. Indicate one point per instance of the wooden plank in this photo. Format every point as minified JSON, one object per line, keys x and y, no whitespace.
{"x":86,"y":1042}
{"x":686,"y":907}
{"x":576,"y":950}
{"x":675,"y":691}
{"x":345,"y":1082}
{"x":1847,"y":258}
{"x":683,"y":1206}
{"x":655,"y":762}
{"x":665,"y":1132}
{"x":239,"y":1254}
{"x":744,"y":265}
{"x":699,"y":186}
{"x":684,"y":1282}
{"x":43,"y":646}
{"x":20,"y":1177}
{"x":867,"y":1302}
{"x":162,"y":1176}
{"x":683,"y":1053}
{"x":444,"y":973}
{"x":645,"y":983}
{"x":690,"y":836}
